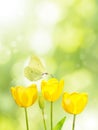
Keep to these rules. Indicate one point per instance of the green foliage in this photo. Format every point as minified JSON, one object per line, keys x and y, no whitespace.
{"x":60,"y":124}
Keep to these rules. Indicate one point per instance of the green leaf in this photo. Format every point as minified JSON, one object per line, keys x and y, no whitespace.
{"x":35,"y":69}
{"x":60,"y":124}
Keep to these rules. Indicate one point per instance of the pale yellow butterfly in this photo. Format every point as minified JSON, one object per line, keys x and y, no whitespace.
{"x":35,"y":69}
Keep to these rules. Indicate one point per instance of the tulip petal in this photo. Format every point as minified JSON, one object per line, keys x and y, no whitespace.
{"x":24,"y":96}
{"x":52,"y":89}
{"x":74,"y":103}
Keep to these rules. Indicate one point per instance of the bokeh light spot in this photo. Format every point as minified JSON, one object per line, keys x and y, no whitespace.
{"x":70,"y":39}
{"x":48,"y":13}
{"x":41,"y":41}
{"x":11,"y":11}
{"x":78,"y":80}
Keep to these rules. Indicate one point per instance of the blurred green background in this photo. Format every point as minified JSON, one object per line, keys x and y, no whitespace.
{"x":63,"y":33}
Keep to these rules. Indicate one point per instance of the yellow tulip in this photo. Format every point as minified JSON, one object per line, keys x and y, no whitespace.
{"x":74,"y":103}
{"x":24,"y":96}
{"x":52,"y":89}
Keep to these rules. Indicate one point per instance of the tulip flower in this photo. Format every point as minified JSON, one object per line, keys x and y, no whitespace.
{"x":24,"y":97}
{"x":51,"y":90}
{"x":74,"y":103}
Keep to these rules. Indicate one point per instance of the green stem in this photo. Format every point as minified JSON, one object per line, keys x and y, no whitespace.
{"x":51,"y":114}
{"x":74,"y":119}
{"x":26,"y":116}
{"x":44,"y":120}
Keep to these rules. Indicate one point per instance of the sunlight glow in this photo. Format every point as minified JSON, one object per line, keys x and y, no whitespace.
{"x":41,"y":41}
{"x":88,"y":120}
{"x":48,"y":13}
{"x":11,"y":11}
{"x":91,"y":122}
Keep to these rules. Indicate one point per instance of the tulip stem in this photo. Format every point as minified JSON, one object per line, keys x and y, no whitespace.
{"x":74,"y":119}
{"x":51,"y":114}
{"x":26,"y":116}
{"x":44,"y":120}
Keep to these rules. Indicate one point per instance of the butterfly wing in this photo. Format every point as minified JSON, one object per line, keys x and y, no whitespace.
{"x":35,"y":69}
{"x":32,"y":74}
{"x":36,"y":63}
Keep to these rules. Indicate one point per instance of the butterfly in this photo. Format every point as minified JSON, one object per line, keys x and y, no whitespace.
{"x":35,"y":69}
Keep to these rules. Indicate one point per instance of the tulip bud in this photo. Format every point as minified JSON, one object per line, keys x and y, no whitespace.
{"x":41,"y":102}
